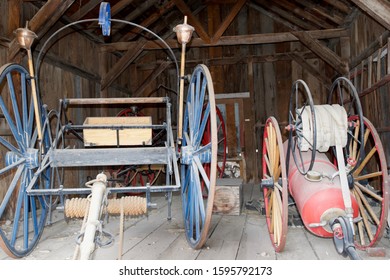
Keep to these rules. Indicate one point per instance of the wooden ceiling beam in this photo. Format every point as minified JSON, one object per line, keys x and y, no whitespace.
{"x":42,"y":21}
{"x":253,"y":39}
{"x":192,"y":20}
{"x":322,"y":52}
{"x":122,"y":64}
{"x":379,"y":10}
{"x":228,"y":20}
{"x":120,"y":6}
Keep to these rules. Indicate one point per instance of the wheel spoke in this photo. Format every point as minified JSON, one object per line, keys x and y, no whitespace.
{"x":364,"y":162}
{"x":367,"y":205}
{"x":12,"y":166}
{"x":200,"y":133}
{"x":369,"y":192}
{"x":202,"y":172}
{"x":369,"y":176}
{"x":15,"y":106}
{"x":11,"y":124}
{"x":11,"y":189}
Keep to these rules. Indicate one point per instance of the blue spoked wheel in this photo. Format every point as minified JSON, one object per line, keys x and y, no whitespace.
{"x":199,"y":147}
{"x":22,"y":217}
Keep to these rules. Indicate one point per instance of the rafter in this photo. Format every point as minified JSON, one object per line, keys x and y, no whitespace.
{"x":253,"y":39}
{"x":322,"y":52}
{"x":192,"y":20}
{"x":228,"y":20}
{"x":42,"y":21}
{"x":379,"y":10}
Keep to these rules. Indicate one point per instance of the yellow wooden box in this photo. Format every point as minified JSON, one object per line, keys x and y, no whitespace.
{"x":109,"y":137}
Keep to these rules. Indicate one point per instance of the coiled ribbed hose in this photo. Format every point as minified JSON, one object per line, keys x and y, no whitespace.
{"x":132,"y":206}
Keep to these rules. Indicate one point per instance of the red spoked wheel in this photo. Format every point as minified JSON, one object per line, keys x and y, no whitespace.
{"x":221,"y":134}
{"x":274,"y":184}
{"x":370,"y":183}
{"x":221,"y":130}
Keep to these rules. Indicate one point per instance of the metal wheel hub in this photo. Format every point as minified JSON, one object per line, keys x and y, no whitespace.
{"x":31,"y":157}
{"x":188,"y":153}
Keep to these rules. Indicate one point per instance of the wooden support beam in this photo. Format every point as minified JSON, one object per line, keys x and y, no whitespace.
{"x":122,"y":64}
{"x":151,"y":78}
{"x":379,"y":10}
{"x":322,"y":52}
{"x":14,"y":17}
{"x":228,"y":20}
{"x":116,"y":8}
{"x":192,"y":20}
{"x":42,"y":21}
{"x":253,"y":39}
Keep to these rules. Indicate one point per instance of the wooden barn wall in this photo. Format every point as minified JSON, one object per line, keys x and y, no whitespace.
{"x":371,"y":39}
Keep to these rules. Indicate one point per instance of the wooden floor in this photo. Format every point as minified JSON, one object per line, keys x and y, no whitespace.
{"x":243,"y":237}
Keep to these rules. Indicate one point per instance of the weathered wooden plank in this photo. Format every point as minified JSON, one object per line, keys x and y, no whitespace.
{"x":297,"y":246}
{"x":225,"y":240}
{"x":255,"y":243}
{"x":379,"y":10}
{"x":252,"y":39}
{"x":323,"y":52}
{"x":323,"y":247}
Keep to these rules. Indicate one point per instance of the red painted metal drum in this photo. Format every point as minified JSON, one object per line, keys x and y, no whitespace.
{"x":318,"y":197}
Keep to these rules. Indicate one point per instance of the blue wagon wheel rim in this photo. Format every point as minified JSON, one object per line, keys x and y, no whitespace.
{"x":22,"y":155}
{"x":198,"y":205}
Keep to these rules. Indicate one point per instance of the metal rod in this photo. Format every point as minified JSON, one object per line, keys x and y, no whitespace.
{"x":68,"y":191}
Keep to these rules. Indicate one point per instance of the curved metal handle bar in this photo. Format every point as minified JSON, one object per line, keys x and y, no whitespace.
{"x":41,"y":52}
